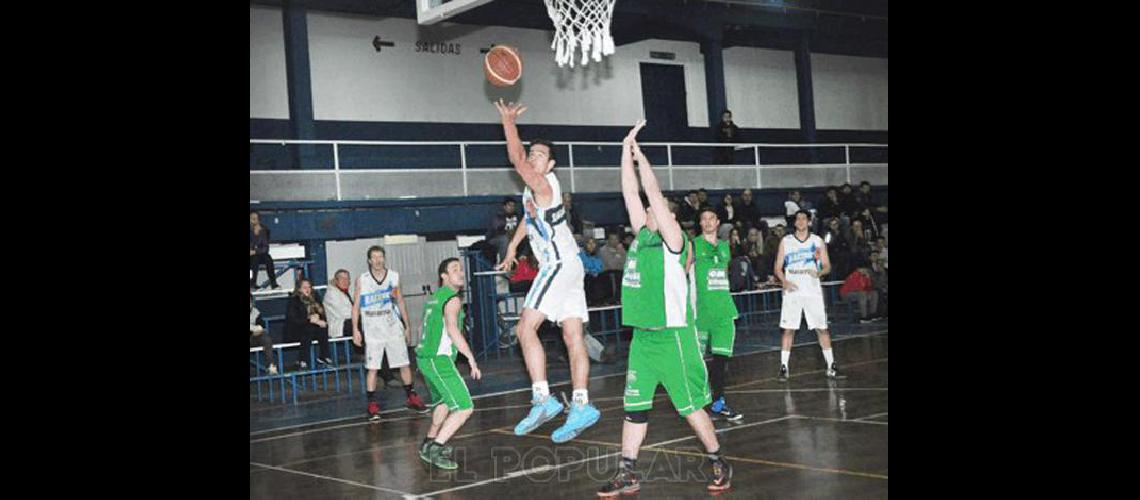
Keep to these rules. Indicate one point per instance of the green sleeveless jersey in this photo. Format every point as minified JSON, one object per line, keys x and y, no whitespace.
{"x":654,"y":286}
{"x":710,"y":270}
{"x":436,"y":341}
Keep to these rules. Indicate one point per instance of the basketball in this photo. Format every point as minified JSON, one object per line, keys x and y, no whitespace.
{"x":502,"y":66}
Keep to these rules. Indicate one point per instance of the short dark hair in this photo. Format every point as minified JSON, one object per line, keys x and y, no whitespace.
{"x":443,"y":267}
{"x":544,"y":142}
{"x":729,"y":111}
{"x":374,"y":248}
{"x":864,"y":183}
{"x":805,"y":212}
{"x":338,"y":271}
{"x":254,"y":212}
{"x":508,"y":199}
{"x":707,"y":209}
{"x":702,"y":190}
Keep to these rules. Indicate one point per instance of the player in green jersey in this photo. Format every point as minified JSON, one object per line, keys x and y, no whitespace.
{"x":656,"y":303}
{"x":716,"y":311}
{"x":435,"y":356}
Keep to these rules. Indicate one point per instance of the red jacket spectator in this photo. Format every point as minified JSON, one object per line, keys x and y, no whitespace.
{"x":525,"y":271}
{"x":857,"y":281}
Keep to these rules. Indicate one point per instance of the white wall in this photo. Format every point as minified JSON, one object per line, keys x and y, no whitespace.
{"x":760,"y":86}
{"x":353,"y":82}
{"x":268,"y":91}
{"x":850,"y":92}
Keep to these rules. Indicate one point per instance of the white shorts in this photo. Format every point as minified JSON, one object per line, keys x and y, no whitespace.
{"x":381,"y":340}
{"x":797,"y":306}
{"x":559,"y":292}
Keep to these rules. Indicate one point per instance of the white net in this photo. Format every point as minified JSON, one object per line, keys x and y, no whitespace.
{"x":581,"y":24}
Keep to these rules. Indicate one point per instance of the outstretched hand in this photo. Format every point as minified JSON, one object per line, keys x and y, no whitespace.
{"x":631,"y":138}
{"x":509,"y":111}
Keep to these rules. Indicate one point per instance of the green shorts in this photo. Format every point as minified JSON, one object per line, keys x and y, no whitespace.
{"x":721,"y":335}
{"x":670,"y":357}
{"x":446,"y":384}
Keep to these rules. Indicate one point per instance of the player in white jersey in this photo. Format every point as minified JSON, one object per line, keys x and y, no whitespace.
{"x":801,"y":260}
{"x":385,"y":328}
{"x":558,"y":293}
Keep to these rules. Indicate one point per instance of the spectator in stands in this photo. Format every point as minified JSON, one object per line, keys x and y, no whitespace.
{"x":726,"y":132}
{"x":503,"y":226}
{"x":858,"y":287}
{"x":792,"y":205}
{"x":881,"y":248}
{"x":259,"y":336}
{"x":626,"y":241}
{"x":870,"y":225}
{"x":702,"y":199}
{"x":259,"y":252}
{"x":572,"y":216}
{"x":772,"y":243}
{"x":305,"y":321}
{"x":829,"y":207}
{"x":864,"y":197}
{"x":857,"y":243}
{"x":613,"y":253}
{"x":879,"y":280}
{"x":848,"y":206}
{"x":748,"y":213}
{"x":687,"y":212}
{"x":755,"y":247}
{"x":590,"y":261}
{"x":727,"y":213}
{"x":526,"y":271}
{"x":735,"y":244}
{"x":338,"y":305}
{"x":837,"y":247}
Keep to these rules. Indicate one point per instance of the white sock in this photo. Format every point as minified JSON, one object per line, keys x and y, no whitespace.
{"x":829,"y":357}
{"x":784,"y":357}
{"x":581,"y":396}
{"x":540,"y":390}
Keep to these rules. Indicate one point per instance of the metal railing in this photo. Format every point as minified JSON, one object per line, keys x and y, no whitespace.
{"x":463,"y":165}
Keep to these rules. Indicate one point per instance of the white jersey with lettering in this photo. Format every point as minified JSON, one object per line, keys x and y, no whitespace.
{"x":800,"y":257}
{"x":378,"y":311}
{"x":547,"y":228}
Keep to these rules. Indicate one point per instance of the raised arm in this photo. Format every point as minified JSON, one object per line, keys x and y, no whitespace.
{"x":666,"y":223}
{"x":629,"y":185}
{"x":515,"y":151}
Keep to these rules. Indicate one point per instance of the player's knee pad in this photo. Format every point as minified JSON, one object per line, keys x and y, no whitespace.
{"x":637,"y":417}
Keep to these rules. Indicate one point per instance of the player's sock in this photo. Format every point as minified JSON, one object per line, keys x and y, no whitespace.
{"x":715,"y":456}
{"x":829,"y":356}
{"x":408,"y":390}
{"x":628,"y":463}
{"x":540,"y":390}
{"x":784,"y":357}
{"x":581,"y":397}
{"x":371,"y":395}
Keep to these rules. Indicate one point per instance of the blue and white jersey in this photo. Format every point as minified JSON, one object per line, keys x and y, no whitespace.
{"x":800,"y":257}
{"x":547,"y":228}
{"x":377,"y":305}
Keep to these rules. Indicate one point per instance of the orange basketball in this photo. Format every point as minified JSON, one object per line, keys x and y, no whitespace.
{"x":502,"y":66}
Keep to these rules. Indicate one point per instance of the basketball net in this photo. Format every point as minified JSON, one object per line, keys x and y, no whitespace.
{"x":581,"y":24}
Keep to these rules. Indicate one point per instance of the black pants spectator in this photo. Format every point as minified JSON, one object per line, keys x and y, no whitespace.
{"x":265,"y":342}
{"x":312,"y":332}
{"x":520,"y":286}
{"x":256,"y":261}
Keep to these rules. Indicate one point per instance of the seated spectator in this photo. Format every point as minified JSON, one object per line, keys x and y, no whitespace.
{"x":525,"y":272}
{"x":858,"y":287}
{"x":687,"y":212}
{"x":857,"y":242}
{"x":703,"y":200}
{"x":726,"y":132}
{"x":305,"y":321}
{"x":338,"y":305}
{"x":741,"y":274}
{"x":881,"y":247}
{"x":613,"y":253}
{"x":829,"y":207}
{"x":791,"y":206}
{"x":259,"y":252}
{"x":735,"y":244}
{"x":572,"y":216}
{"x":259,"y":336}
{"x":879,"y":280}
{"x":755,"y":247}
{"x":772,"y":244}
{"x":502,"y":227}
{"x":590,"y":260}
{"x":626,"y":241}
{"x":849,"y":206}
{"x":727,"y":213}
{"x":748,"y":213}
{"x":837,"y":247}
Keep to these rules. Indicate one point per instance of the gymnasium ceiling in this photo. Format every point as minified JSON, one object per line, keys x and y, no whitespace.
{"x":850,"y":27}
